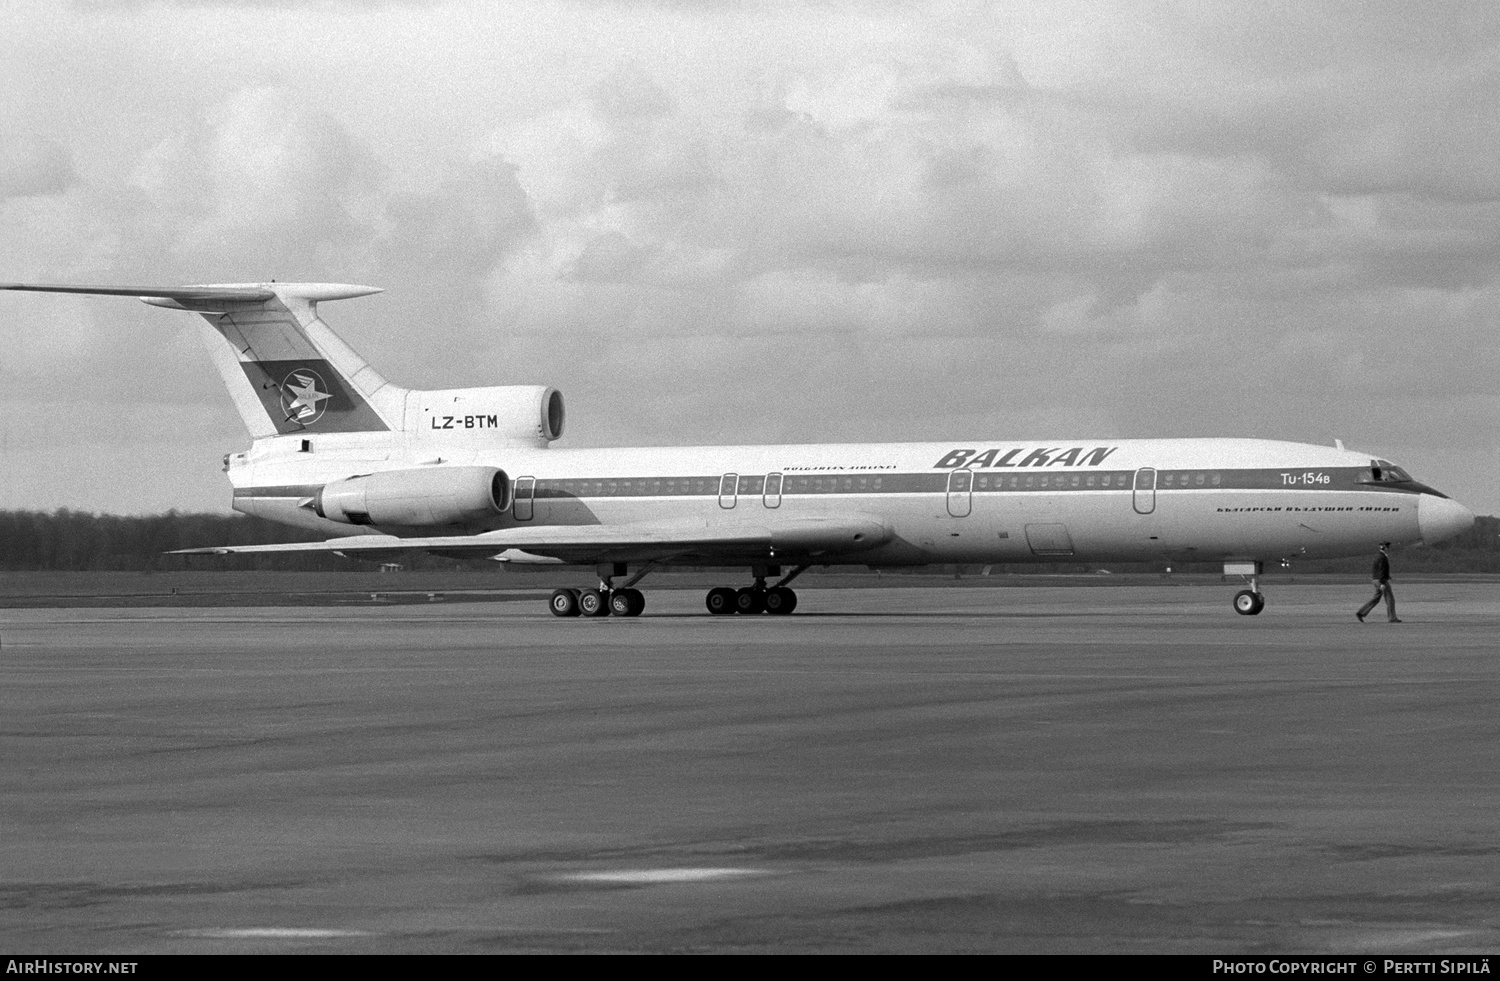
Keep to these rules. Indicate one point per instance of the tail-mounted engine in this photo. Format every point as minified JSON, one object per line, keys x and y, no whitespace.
{"x":507,"y":415}
{"x":429,"y":496}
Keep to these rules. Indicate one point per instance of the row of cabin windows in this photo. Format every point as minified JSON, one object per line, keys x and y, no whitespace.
{"x":643,"y":487}
{"x":706,"y":486}
{"x":1087,"y":481}
{"x":829,"y":485}
{"x":805,"y":484}
{"x":1169,"y":478}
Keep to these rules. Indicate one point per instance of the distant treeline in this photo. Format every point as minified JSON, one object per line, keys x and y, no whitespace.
{"x":1476,"y":550}
{"x":79,"y":541}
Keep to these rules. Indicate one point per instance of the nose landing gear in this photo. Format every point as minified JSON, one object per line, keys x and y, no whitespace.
{"x":1247,"y":602}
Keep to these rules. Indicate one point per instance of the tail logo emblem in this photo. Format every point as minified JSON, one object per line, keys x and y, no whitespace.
{"x":303,"y":395}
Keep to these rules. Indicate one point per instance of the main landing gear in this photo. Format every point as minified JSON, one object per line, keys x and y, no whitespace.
{"x":751,"y":599}
{"x":597,"y":602}
{"x":628,"y":601}
{"x":1247,"y":602}
{"x":604,"y":601}
{"x":777,"y":599}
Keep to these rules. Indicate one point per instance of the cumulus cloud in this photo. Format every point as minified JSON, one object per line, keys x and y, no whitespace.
{"x":330,"y":6}
{"x":32,"y":165}
{"x":262,"y":181}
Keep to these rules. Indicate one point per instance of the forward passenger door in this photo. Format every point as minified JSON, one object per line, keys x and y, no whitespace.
{"x":960,"y":493}
{"x":1143,"y":497}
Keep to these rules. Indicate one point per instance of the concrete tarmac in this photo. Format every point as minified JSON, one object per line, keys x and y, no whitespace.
{"x":1119,"y":769}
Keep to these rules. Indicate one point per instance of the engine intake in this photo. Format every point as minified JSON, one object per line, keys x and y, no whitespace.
{"x":429,"y":496}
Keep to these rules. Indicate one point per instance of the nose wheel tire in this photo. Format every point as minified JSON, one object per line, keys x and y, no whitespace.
{"x":564,"y":603}
{"x":1248,"y":603}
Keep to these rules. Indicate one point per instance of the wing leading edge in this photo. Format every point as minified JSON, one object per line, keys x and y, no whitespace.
{"x":809,"y":536}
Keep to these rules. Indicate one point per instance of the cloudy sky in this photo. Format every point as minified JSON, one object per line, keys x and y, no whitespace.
{"x":764,"y":221}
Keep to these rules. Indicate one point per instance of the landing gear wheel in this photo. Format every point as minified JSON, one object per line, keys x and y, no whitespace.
{"x":1248,"y":603}
{"x":750,"y":600}
{"x":593,"y":602}
{"x":564,"y":603}
{"x":720,"y":600}
{"x":780,"y":600}
{"x":626,"y":602}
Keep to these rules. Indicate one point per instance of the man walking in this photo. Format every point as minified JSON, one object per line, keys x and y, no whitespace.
{"x":1381,"y":573}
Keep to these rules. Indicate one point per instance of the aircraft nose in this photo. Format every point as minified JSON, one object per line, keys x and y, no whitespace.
{"x":1440,"y":517}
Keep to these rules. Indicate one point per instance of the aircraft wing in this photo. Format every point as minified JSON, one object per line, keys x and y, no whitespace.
{"x":643,"y":541}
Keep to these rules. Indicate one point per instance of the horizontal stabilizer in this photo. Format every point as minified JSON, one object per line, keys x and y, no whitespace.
{"x":597,"y":543}
{"x":190,"y":294}
{"x":288,"y":373}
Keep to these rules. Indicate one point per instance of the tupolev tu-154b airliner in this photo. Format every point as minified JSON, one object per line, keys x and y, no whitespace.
{"x":471,"y":473}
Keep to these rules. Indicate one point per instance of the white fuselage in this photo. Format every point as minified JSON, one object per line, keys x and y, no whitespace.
{"x":951,"y":502}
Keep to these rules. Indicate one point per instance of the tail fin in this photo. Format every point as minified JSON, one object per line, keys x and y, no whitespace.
{"x":285,"y":369}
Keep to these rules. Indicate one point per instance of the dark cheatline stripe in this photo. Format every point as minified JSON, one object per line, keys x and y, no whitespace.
{"x":1333,"y":479}
{"x":1021,"y":482}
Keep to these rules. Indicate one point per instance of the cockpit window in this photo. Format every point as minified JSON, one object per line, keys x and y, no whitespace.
{"x":1386,"y":472}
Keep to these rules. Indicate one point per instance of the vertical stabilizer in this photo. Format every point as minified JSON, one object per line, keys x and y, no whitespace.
{"x":288,"y":372}
{"x":285,"y":369}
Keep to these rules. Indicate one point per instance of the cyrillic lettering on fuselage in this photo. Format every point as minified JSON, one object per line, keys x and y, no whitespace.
{"x":1073,"y":456}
